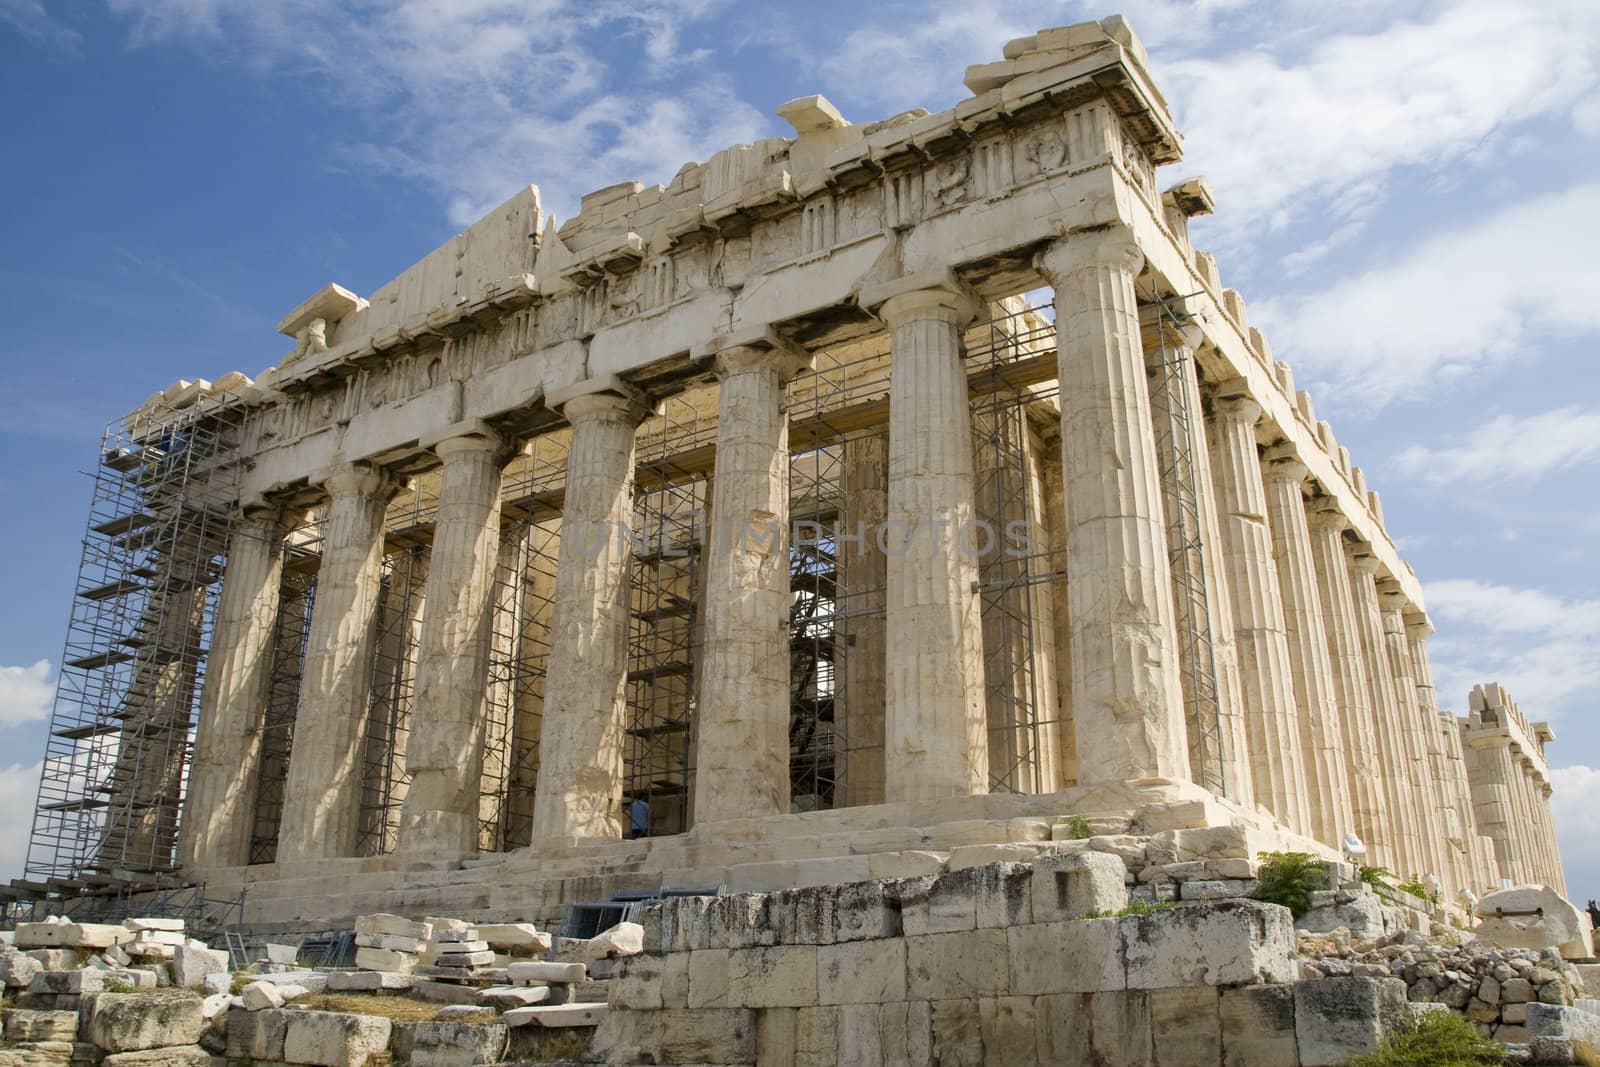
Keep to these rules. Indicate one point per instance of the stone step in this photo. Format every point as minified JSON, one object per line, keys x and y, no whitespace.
{"x":561,"y":1015}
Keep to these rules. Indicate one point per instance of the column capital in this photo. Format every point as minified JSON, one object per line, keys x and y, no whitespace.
{"x":1282,"y":463}
{"x":937,"y":295}
{"x":357,"y":479}
{"x":1418,"y":628}
{"x":607,"y":407}
{"x":1361,"y":557}
{"x":462,"y":437}
{"x":1234,"y":403}
{"x":754,"y":350}
{"x":1323,"y":514}
{"x":1112,"y":247}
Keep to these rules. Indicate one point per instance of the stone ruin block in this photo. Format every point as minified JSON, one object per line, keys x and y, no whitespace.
{"x":862,"y":972}
{"x":384,"y":924}
{"x":130,"y":1022}
{"x":26,"y":1025}
{"x":1071,"y":885}
{"x":1258,"y":1027}
{"x":676,"y":1035}
{"x":1337,"y":1019}
{"x":454,"y":1044}
{"x":334,"y":1039}
{"x":1228,"y":943}
{"x":1077,"y":956}
{"x":257,"y":1035}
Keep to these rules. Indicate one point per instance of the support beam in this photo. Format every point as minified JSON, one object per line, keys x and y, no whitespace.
{"x":1126,"y":696}
{"x":581,"y":737}
{"x":444,"y":754}
{"x":321,"y":805}
{"x":742,"y":727}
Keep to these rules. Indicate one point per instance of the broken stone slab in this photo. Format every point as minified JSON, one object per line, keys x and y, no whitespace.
{"x":539,"y":971}
{"x":369,"y":981}
{"x":217,"y":982}
{"x":215,"y":1004}
{"x":71,"y":935}
{"x":515,"y":936}
{"x":56,"y":959}
{"x":285,"y":954}
{"x":444,"y":992}
{"x":450,"y":949}
{"x":1532,"y":916}
{"x":28,"y":1025}
{"x":453,"y":935}
{"x":334,"y":1039}
{"x":139,"y":979}
{"x":181,"y":1056}
{"x":153,"y":922}
{"x":394,"y":926}
{"x":392,"y":942}
{"x":262,"y":996}
{"x":17,"y":970}
{"x":74,"y":983}
{"x":385,"y":959}
{"x":561,"y":1015}
{"x":1337,"y":1019}
{"x":257,"y":1036}
{"x":130,"y":1022}
{"x":458,"y":1012}
{"x":453,"y":1043}
{"x":623,"y":939}
{"x":191,"y":963}
{"x":512,"y":996}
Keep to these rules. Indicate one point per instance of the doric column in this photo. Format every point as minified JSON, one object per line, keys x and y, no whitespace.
{"x":1430,"y":831}
{"x":1435,"y":758}
{"x":742,"y":718}
{"x":935,"y":742}
{"x":863,"y":579}
{"x":322,"y":798}
{"x":533,"y":655}
{"x":444,"y":754}
{"x":220,"y":802}
{"x":1127,"y":701}
{"x":393,"y":698}
{"x":1276,"y":763}
{"x":1179,"y":416}
{"x":1060,"y":649}
{"x":1392,"y":767}
{"x":581,"y":737}
{"x":1321,"y":738}
{"x":1325,"y":525}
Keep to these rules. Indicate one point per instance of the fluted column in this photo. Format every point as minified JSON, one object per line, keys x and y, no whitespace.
{"x":322,"y":798}
{"x":581,"y":737}
{"x":1393,"y":767}
{"x":444,"y":754}
{"x":1060,"y":648}
{"x":1429,"y":827}
{"x":219,"y":806}
{"x":864,"y":577}
{"x":935,"y":742}
{"x":1325,"y":525}
{"x":1321,"y":736}
{"x":1435,"y":756}
{"x":1180,"y":438}
{"x":1276,"y":763}
{"x":742,"y":719}
{"x":1127,"y":700}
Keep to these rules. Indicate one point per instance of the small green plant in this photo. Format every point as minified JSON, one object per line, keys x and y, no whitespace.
{"x":1435,"y":1039}
{"x":1077,"y":827}
{"x":1417,"y":889}
{"x":1376,"y":877}
{"x":1135,"y":906}
{"x":117,"y":985}
{"x":1289,"y":878}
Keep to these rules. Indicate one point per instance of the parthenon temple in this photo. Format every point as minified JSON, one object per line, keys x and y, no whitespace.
{"x":861,"y":494}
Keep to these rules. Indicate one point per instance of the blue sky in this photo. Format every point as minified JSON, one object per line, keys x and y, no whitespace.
{"x":1407,"y":199}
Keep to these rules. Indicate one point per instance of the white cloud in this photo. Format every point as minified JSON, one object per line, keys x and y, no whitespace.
{"x":1510,"y":447}
{"x":1575,"y":801}
{"x":1543,"y":648}
{"x":481,"y":97}
{"x":25,"y":694}
{"x":1289,"y":136}
{"x":33,"y":22}
{"x":1455,"y":304}
{"x":19,"y":786}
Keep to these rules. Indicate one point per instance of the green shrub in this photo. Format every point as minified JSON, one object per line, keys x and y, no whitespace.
{"x":1289,"y":878}
{"x":1376,"y":877}
{"x":1077,"y":828}
{"x":1416,"y":889}
{"x":117,"y":985}
{"x":1435,"y":1039}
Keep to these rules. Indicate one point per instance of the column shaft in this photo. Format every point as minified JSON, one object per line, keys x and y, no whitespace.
{"x":581,"y":737}
{"x":445,"y":752}
{"x":219,"y":808}
{"x":1321,"y":738}
{"x":322,"y":798}
{"x":1351,"y":689}
{"x":1060,"y":649}
{"x":742,"y":722}
{"x":935,"y":725}
{"x":1127,"y":700}
{"x":1430,"y":833}
{"x":1276,"y":762}
{"x":864,"y":578}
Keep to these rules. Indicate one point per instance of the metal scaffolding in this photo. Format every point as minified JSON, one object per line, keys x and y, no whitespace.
{"x":111,"y":788}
